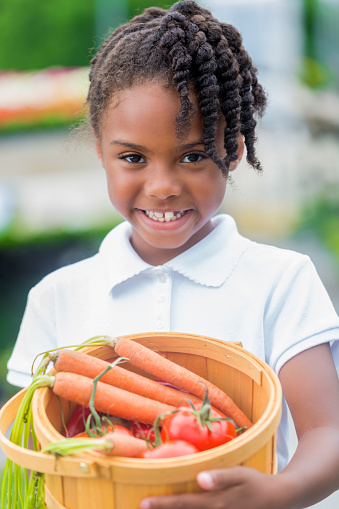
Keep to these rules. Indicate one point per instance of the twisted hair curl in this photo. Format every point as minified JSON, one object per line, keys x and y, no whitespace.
{"x":185,"y":47}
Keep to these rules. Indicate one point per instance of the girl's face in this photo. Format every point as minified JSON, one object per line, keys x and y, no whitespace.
{"x":167,"y":189}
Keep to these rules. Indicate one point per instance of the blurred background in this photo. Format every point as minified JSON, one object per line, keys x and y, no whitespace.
{"x":54,"y":207}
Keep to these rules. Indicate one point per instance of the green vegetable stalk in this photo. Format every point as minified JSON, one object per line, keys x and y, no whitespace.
{"x":21,"y":490}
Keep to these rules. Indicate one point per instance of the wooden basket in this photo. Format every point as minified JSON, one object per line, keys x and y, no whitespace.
{"x":88,"y":480}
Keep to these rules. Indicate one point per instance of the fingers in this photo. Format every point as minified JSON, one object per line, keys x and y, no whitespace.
{"x":185,"y":501}
{"x":217,"y":486}
{"x":221,"y":479}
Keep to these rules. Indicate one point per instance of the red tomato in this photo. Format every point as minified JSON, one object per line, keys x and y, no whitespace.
{"x":75,"y":423}
{"x":170,"y":449}
{"x":141,"y":430}
{"x":184,"y":425}
{"x":110,"y":429}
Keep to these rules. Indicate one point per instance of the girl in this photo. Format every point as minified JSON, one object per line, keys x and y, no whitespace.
{"x":172,"y":101}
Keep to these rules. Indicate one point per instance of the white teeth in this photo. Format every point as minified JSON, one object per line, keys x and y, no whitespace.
{"x":164,"y":216}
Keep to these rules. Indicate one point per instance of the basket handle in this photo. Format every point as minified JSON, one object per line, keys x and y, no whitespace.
{"x":79,"y":466}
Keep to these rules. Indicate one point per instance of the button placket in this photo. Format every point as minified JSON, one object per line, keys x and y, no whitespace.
{"x":162,"y":301}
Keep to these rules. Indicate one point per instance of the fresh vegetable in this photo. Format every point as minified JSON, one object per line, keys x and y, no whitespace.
{"x":155,"y":364}
{"x":112,"y":444}
{"x":170,"y":449}
{"x":201,"y":426}
{"x":18,"y":490}
{"x":124,"y":445}
{"x":76,"y":422}
{"x":83,"y":364}
{"x":108,"y":399}
{"x":48,"y":355}
{"x":28,"y":492}
{"x":167,"y":384}
{"x":140,"y":430}
{"x":109,"y":429}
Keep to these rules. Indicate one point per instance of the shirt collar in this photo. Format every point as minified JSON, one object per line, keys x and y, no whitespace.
{"x":208,"y":263}
{"x":211,"y":261}
{"x":120,"y":260}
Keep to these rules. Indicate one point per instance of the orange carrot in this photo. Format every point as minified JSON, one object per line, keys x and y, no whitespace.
{"x":124,"y":445}
{"x":108,"y":399}
{"x":112,"y":444}
{"x":155,"y":364}
{"x":87,"y":365}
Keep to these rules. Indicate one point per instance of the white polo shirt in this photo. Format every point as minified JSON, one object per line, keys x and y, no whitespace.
{"x":226,"y":287}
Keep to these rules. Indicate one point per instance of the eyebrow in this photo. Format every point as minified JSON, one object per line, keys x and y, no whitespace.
{"x":126,"y":144}
{"x":191,"y":145}
{"x":141,"y":148}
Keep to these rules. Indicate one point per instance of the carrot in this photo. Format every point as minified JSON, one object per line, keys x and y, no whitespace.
{"x":87,"y":365}
{"x":155,"y":364}
{"x":124,"y":445}
{"x":112,"y":444}
{"x":108,"y":399}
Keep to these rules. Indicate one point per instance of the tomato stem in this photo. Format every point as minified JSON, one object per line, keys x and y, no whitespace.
{"x":157,"y":422}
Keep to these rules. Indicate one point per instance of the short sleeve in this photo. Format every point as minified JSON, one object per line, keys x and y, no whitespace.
{"x":36,"y":335}
{"x":299,"y":314}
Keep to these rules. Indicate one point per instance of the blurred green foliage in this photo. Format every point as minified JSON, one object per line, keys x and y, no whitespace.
{"x":315,"y":74}
{"x":137,"y":6}
{"x":320,"y":43}
{"x":6,"y":390}
{"x":47,"y":122}
{"x":36,"y":34}
{"x":310,"y":12}
{"x":321,"y":217}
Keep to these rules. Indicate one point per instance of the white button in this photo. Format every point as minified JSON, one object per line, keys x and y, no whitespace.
{"x":160,"y":324}
{"x":161,"y":297}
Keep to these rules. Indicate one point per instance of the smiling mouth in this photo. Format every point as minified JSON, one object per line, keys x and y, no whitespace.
{"x":164,"y":217}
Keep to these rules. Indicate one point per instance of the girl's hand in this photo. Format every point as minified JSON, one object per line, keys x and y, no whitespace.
{"x":240,"y":487}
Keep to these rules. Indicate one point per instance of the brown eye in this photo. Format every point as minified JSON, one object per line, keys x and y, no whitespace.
{"x":193,"y":158}
{"x":134,"y":158}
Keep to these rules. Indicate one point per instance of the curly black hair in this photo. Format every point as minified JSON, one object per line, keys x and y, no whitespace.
{"x":184,"y":47}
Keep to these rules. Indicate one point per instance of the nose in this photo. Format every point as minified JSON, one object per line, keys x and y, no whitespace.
{"x":163,"y":182}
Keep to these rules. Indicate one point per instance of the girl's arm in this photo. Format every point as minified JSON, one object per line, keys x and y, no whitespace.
{"x":311,"y":388}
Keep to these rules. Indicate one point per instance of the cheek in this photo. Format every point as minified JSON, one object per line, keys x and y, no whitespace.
{"x":113,"y":186}
{"x":121,"y":188}
{"x":214,"y":189}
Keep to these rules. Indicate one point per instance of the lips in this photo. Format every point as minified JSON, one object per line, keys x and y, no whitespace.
{"x":165,"y":217}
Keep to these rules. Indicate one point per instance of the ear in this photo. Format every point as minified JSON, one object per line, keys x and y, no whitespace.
{"x":241,"y":149}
